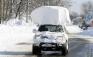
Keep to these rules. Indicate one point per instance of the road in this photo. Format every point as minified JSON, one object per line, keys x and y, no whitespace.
{"x":78,"y":47}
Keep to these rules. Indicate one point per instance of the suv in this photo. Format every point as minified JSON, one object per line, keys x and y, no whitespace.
{"x":50,"y":38}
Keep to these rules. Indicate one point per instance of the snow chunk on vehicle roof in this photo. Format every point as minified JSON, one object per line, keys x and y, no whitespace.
{"x":51,"y":15}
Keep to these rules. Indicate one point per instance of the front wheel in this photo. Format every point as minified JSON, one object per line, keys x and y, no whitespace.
{"x":65,"y":49}
{"x":36,"y":50}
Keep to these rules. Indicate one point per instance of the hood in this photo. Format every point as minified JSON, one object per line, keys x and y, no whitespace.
{"x":50,"y":35}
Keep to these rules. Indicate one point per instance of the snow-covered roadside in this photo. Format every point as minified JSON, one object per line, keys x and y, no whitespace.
{"x":73,"y":29}
{"x":88,"y":32}
{"x":84,"y":34}
{"x":16,"y":38}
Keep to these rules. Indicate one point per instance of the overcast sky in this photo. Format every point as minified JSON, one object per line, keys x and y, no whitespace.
{"x":76,"y":5}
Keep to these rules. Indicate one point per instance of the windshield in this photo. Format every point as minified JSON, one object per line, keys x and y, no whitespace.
{"x":51,"y":28}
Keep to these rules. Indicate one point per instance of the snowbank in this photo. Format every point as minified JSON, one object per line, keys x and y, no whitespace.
{"x":84,"y":34}
{"x":72,"y":29}
{"x":16,"y":35}
{"x":17,"y":22}
{"x":12,"y":36}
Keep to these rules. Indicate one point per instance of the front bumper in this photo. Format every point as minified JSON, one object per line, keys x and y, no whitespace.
{"x":50,"y":46}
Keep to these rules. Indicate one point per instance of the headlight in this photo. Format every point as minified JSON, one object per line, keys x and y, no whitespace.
{"x":61,"y":39}
{"x":36,"y":40}
{"x":37,"y":36}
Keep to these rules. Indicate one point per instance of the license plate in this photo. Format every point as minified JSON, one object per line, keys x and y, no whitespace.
{"x":48,"y":45}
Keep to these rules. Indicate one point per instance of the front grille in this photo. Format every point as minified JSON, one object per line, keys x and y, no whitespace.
{"x":53,"y":47}
{"x":44,"y":37}
{"x":48,"y":44}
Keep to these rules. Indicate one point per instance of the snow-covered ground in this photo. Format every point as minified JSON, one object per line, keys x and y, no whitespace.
{"x":73,"y":29}
{"x":84,"y":34}
{"x":16,"y":38}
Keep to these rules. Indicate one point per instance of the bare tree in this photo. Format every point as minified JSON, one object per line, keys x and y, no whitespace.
{"x":87,"y":11}
{"x":17,"y":8}
{"x":87,"y":7}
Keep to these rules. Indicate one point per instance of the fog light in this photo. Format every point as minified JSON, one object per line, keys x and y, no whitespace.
{"x":60,"y":44}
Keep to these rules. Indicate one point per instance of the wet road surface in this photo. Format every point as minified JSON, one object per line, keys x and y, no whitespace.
{"x":77,"y":48}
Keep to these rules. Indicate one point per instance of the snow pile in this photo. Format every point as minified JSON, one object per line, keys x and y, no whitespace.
{"x":84,"y":34}
{"x":73,"y":29}
{"x":16,"y":35}
{"x":19,"y":22}
{"x":15,"y":32}
{"x":51,"y":15}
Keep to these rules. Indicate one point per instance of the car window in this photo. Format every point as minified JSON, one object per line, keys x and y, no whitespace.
{"x":51,"y":28}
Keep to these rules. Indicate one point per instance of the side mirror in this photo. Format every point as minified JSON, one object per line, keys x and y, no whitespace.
{"x":34,"y":30}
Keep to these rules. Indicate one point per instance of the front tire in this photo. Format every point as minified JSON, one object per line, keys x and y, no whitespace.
{"x":36,"y":50}
{"x":65,"y":49}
